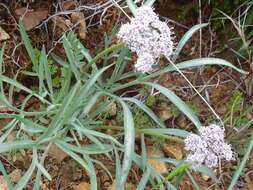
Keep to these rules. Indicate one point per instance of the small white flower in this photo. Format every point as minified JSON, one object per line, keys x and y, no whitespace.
{"x":144,"y":63}
{"x":147,"y":35}
{"x":208,"y":148}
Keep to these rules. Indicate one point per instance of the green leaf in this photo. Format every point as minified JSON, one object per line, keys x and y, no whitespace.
{"x":1,"y":65}
{"x":185,"y":38}
{"x":167,"y":131}
{"x":20,"y":86}
{"x":144,"y":179}
{"x":147,"y":110}
{"x":6,"y":176}
{"x":132,"y":6}
{"x":129,"y":138}
{"x":178,"y":102}
{"x":149,"y":2}
{"x":48,"y":76}
{"x":28,"y":174}
{"x":44,"y":171}
{"x":23,"y":144}
{"x":71,"y":58}
{"x":28,"y":46}
{"x":242,"y":165}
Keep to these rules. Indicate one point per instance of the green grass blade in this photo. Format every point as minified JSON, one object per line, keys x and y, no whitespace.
{"x":242,"y":165}
{"x":1,"y":65}
{"x":167,"y":131}
{"x":147,"y":110}
{"x":190,"y":64}
{"x":41,"y":77}
{"x":91,"y":103}
{"x":20,"y":86}
{"x":149,"y":2}
{"x":6,"y":176}
{"x":23,"y":144}
{"x":71,"y":58}
{"x":48,"y":76}
{"x":10,"y":126}
{"x":132,"y":6}
{"x":144,"y":179}
{"x":28,"y":45}
{"x":129,"y":138}
{"x":185,"y":38}
{"x":178,"y":102}
{"x":28,"y":174}
{"x":62,"y":115}
{"x":44,"y":171}
{"x":208,"y":172}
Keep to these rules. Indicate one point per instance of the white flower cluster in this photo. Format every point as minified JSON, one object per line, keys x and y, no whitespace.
{"x":148,"y":37}
{"x":208,"y":148}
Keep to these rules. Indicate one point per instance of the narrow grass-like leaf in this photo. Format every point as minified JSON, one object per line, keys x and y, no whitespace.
{"x":23,"y":144}
{"x":185,"y":38}
{"x":74,"y":156}
{"x":190,"y":64}
{"x":147,"y":110}
{"x":91,"y":103}
{"x":96,"y":133}
{"x":71,"y":58}
{"x":40,"y":74}
{"x":30,"y":126}
{"x":60,"y":118}
{"x":6,"y":176}
{"x":44,"y":171}
{"x":10,"y":127}
{"x":149,"y":2}
{"x":28,"y":45}
{"x":143,"y":153}
{"x":28,"y":174}
{"x":20,"y":86}
{"x":178,"y":102}
{"x":194,"y":183}
{"x":144,"y":179}
{"x":242,"y":165}
{"x":129,"y":137}
{"x":104,"y":168}
{"x":48,"y":76}
{"x":167,"y":131}
{"x":132,"y":6}
{"x":208,"y":172}
{"x":37,"y":182}
{"x":118,"y":169}
{"x":1,"y":65}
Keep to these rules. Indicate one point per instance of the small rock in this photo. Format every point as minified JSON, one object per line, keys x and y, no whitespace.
{"x":174,"y":150}
{"x":159,"y":166}
{"x":164,"y":112}
{"x":68,"y":5}
{"x":113,"y":109}
{"x":22,"y":162}
{"x":15,"y":175}
{"x":83,"y":186}
{"x":31,"y":18}
{"x":3,"y":35}
{"x":78,"y":17}
{"x":128,"y":186}
{"x":57,"y":153}
{"x":222,"y":109}
{"x":3,"y":184}
{"x":205,"y":177}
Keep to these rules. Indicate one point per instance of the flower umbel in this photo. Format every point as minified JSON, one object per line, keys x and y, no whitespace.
{"x":208,"y":148}
{"x":148,"y":37}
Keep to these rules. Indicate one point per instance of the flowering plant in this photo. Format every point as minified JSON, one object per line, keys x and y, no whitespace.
{"x":72,"y":113}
